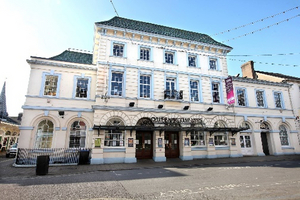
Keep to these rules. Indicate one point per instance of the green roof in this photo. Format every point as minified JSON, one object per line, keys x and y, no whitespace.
{"x":160,"y":30}
{"x":74,"y":57}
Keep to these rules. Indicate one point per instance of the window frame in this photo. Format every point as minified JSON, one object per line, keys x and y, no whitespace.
{"x":44,"y":76}
{"x":245,"y":96}
{"x":174,"y":56}
{"x":197,"y":90}
{"x":198,"y":141}
{"x":263,"y":96}
{"x":122,"y":84}
{"x":216,"y":62}
{"x":280,"y":98}
{"x":122,"y":133}
{"x":221,"y":123}
{"x":286,"y":135}
{"x":150,"y":86}
{"x":219,"y":91}
{"x":38,"y":138}
{"x":124,"y":49}
{"x":76,"y":78}
{"x":150,"y":53}
{"x":196,"y":60}
{"x":82,"y":134}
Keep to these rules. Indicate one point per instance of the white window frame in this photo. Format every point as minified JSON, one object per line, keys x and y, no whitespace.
{"x":174,"y":53}
{"x":245,"y":96}
{"x":196,"y":60}
{"x":145,"y":84}
{"x":192,"y":98}
{"x":141,"y":47}
{"x":264,"y":99}
{"x":213,"y":91}
{"x":45,"y":74}
{"x":280,"y":99}
{"x":223,"y":134}
{"x":114,"y":138}
{"x":198,"y":142}
{"x":216,"y":63}
{"x":124,"y":55}
{"x":119,"y":92}
{"x":286,"y":135}
{"x":42,"y":136}
{"x":78,"y":132}
{"x":88,"y":88}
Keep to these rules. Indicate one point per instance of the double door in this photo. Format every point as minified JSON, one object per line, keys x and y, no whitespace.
{"x":171,"y":145}
{"x":144,"y":145}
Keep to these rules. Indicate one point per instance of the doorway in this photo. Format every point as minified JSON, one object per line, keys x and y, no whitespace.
{"x":246,"y":146}
{"x":264,"y":141}
{"x":144,"y":146}
{"x":171,"y":145}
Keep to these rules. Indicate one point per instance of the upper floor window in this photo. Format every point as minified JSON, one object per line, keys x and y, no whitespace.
{"x":192,"y":60}
{"x":145,"y":53}
{"x":215,"y":89}
{"x":213,"y":63}
{"x":44,"y":134}
{"x":82,"y":88}
{"x":117,"y":84}
{"x":260,"y":98}
{"x":283,"y":136}
{"x":194,"y":91}
{"x":278,"y":99}
{"x":145,"y":86}
{"x":50,"y":86}
{"x":169,"y":57}
{"x":118,"y":50}
{"x":241,"y":96}
{"x":77,"y":134}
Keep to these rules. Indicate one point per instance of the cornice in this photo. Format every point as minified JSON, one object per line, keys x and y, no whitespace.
{"x":60,"y":64}
{"x":160,"y":36}
{"x":258,"y":81}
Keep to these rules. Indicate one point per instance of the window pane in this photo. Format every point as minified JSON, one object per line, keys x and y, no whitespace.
{"x":260,"y":98}
{"x":114,"y":138}
{"x":44,"y":134}
{"x":194,"y":90}
{"x":145,"y":54}
{"x":118,"y":50}
{"x":82,"y":87}
{"x":145,"y":86}
{"x":213,"y":64}
{"x":192,"y":61}
{"x":215,"y":92}
{"x":116,"y":84}
{"x":50,"y":85}
{"x":169,"y":57}
{"x":277,"y":97}
{"x":283,"y":135}
{"x":77,"y":134}
{"x":241,"y":97}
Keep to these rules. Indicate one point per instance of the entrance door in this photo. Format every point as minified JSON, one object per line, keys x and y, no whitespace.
{"x":264,"y":142}
{"x":143,"y":145}
{"x":246,"y":147}
{"x":171,"y":145}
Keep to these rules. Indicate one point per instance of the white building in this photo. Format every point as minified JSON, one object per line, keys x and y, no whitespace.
{"x":152,"y":92}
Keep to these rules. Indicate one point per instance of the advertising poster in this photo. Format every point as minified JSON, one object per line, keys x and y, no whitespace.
{"x":160,"y":145}
{"x":186,"y":142}
{"x":229,"y":91}
{"x":130,"y":142}
{"x":98,"y":142}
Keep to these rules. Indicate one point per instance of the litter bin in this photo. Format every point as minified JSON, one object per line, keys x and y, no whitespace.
{"x":84,"y":157}
{"x":42,"y":165}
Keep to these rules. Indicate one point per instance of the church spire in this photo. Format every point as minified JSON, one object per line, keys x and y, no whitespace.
{"x":3,"y":112}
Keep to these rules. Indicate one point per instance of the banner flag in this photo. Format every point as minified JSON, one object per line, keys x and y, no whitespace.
{"x":229,"y":91}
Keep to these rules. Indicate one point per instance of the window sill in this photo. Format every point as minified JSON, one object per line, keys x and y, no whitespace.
{"x":114,"y":149}
{"x":222,"y":147}
{"x":287,"y":147}
{"x":170,"y":64}
{"x":118,"y":56}
{"x":145,"y":60}
{"x":199,"y":148}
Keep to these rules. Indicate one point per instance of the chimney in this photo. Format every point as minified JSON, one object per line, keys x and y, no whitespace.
{"x":248,"y":70}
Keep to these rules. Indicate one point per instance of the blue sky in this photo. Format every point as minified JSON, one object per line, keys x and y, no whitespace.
{"x":45,"y":28}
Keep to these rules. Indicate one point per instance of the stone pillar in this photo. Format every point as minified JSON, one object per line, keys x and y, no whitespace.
{"x":234,"y":145}
{"x":185,"y":146}
{"x":97,"y":145}
{"x":130,"y":148}
{"x":211,"y":150}
{"x":159,"y":147}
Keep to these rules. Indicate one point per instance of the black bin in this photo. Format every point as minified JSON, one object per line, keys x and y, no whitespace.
{"x":42,"y":165}
{"x":84,"y":157}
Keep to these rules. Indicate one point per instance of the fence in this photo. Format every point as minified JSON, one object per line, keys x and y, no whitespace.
{"x":58,"y":156}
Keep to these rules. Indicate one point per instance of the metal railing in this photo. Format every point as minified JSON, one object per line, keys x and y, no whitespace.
{"x":57,"y":156}
{"x":173,"y":94}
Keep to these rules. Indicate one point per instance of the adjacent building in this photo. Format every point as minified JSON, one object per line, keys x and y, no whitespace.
{"x":148,"y":91}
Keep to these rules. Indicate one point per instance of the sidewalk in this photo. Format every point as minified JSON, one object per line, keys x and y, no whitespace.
{"x":8,"y":171}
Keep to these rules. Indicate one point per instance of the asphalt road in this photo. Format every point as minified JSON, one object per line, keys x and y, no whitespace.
{"x":255,"y":180}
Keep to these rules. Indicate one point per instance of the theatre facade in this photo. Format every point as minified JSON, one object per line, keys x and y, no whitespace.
{"x":148,"y":91}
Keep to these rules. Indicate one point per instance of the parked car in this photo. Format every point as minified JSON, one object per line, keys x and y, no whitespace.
{"x":12,"y":150}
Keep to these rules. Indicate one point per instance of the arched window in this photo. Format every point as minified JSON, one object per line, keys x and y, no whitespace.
{"x":44,"y":134}
{"x":114,"y":138}
{"x":221,"y":138}
{"x":284,"y":139}
{"x":198,"y":137}
{"x":77,"y":134}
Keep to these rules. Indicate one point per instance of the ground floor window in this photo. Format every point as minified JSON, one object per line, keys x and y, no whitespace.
{"x":221,"y":139}
{"x":77,"y":134}
{"x":283,"y":136}
{"x":44,"y":134}
{"x":197,"y":138}
{"x":245,"y":141}
{"x":114,"y":138}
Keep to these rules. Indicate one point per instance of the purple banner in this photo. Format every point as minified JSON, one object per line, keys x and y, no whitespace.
{"x":229,"y":91}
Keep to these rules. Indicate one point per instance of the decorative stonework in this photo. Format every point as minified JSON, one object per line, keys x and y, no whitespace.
{"x":113,"y":114}
{"x":221,"y":118}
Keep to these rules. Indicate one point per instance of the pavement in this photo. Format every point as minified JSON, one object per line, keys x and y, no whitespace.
{"x":7,"y":170}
